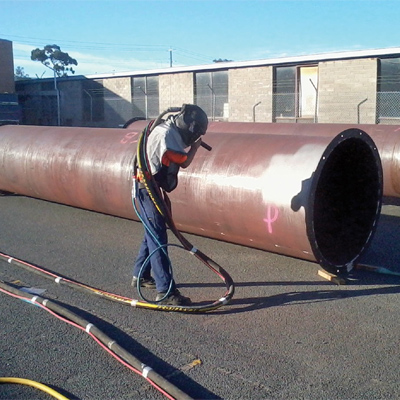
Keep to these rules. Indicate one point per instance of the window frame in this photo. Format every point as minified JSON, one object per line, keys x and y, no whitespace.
{"x":387,"y":97}
{"x":295,"y":96}
{"x":211,"y":92}
{"x":145,"y":96}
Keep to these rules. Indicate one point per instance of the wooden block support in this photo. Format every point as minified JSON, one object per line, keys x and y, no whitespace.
{"x":331,"y":277}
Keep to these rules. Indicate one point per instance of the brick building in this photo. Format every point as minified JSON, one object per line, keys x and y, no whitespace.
{"x":348,"y":87}
{"x":6,"y":67}
{"x":9,"y":108}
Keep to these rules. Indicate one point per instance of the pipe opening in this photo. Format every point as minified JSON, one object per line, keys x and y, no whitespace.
{"x":347,"y":201}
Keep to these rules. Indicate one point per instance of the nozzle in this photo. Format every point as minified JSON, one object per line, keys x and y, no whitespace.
{"x":206,"y":146}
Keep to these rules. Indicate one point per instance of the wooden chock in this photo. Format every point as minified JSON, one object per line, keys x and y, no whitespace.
{"x":331,"y":277}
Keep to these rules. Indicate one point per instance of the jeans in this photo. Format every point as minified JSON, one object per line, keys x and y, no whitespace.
{"x":159,"y":264}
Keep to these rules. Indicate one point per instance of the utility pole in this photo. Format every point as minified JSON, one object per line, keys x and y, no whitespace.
{"x":58,"y":99}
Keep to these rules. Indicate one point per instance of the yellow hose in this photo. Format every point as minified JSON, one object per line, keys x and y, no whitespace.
{"x":34,"y":384}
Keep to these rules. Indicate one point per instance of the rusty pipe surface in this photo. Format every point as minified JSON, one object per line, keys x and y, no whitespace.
{"x":386,"y":138}
{"x":311,"y":197}
{"x":82,"y":167}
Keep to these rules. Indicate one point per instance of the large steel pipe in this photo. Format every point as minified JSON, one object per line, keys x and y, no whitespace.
{"x":386,"y":138}
{"x":82,"y":167}
{"x":311,"y":197}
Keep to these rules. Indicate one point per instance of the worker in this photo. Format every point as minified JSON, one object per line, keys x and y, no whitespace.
{"x":167,"y":152}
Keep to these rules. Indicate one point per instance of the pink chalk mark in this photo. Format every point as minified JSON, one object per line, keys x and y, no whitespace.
{"x":270,"y":219}
{"x":129,"y":138}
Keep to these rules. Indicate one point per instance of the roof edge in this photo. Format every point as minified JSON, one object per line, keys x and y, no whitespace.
{"x":319,"y":57}
{"x":254,"y":63}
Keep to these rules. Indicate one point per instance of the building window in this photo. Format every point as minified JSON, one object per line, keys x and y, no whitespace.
{"x":145,"y":97}
{"x":93,"y":100}
{"x":295,"y":93}
{"x":388,"y":95}
{"x":211,"y":93}
{"x":285,"y":92}
{"x":48,"y":111}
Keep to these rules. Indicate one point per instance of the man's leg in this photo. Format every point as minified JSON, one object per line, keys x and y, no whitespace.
{"x":141,"y":258}
{"x":158,"y":237}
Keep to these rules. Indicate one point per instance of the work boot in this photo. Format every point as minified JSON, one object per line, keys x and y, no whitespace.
{"x":174,"y":299}
{"x":148,"y":283}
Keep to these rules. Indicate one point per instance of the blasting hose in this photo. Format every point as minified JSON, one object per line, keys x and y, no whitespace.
{"x":62,"y":280}
{"x":162,"y":203}
{"x":162,"y":206}
{"x":111,"y":346}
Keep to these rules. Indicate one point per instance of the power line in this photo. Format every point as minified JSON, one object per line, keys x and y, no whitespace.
{"x":155,"y":52}
{"x":102,"y":46}
{"x":93,"y":44}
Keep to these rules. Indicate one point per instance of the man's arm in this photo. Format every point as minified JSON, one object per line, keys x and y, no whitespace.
{"x":191,"y":153}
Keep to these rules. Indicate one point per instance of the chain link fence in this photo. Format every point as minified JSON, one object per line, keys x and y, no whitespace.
{"x":388,"y":107}
{"x":108,"y":109}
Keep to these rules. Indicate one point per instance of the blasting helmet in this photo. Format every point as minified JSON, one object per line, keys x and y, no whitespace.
{"x":191,"y":122}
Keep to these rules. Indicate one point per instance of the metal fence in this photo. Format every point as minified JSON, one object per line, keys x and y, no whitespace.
{"x":388,"y":106}
{"x":110,"y":110}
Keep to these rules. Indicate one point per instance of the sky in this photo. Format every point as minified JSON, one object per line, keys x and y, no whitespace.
{"x":116,"y":36}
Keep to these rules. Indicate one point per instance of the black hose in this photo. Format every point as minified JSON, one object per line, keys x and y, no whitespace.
{"x":161,"y":202}
{"x":144,"y":370}
{"x":162,"y":206}
{"x":62,"y":280}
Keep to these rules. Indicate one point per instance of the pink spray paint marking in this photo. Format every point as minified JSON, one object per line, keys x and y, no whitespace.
{"x":271,"y":218}
{"x":129,"y":138}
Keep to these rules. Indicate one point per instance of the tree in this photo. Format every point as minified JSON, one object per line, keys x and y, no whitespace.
{"x":52,"y":57}
{"x":20,"y":74}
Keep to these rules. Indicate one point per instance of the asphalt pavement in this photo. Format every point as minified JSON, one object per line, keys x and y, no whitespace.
{"x":287,"y":333}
